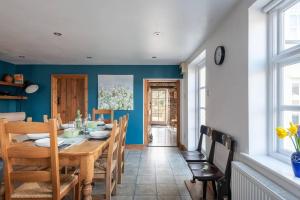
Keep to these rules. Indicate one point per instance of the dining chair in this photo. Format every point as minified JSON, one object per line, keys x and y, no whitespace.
{"x":217,"y":170}
{"x":109,"y":173}
{"x":121,"y":154}
{"x":198,"y":155}
{"x":42,"y":180}
{"x":103,"y":112}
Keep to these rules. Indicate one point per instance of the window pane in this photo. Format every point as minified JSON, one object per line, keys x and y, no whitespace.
{"x":162,"y":94}
{"x":291,"y":84}
{"x":202,"y":116}
{"x":154,"y":94}
{"x":202,"y":97}
{"x":154,"y":103}
{"x":202,"y":73}
{"x":162,"y":117}
{"x":291,"y":26}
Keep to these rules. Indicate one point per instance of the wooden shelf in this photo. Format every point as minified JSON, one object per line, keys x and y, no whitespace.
{"x":12,"y":97}
{"x":11,"y":84}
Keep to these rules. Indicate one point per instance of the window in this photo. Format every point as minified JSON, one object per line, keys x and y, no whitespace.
{"x":200,"y":98}
{"x":159,"y":106}
{"x":285,"y":71}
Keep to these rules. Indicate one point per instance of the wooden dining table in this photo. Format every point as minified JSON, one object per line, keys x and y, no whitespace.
{"x":81,"y":155}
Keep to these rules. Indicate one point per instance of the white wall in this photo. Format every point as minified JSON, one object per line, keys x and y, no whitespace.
{"x":227,"y":102}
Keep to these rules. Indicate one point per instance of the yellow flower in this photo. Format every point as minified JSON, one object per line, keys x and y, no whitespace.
{"x":281,"y":132}
{"x":293,"y":129}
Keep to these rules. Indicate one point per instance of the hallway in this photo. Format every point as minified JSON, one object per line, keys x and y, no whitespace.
{"x":163,"y":136}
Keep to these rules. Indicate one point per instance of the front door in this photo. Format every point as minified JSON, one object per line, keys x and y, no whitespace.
{"x":69,"y":94}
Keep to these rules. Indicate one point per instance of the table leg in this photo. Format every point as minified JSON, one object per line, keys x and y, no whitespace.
{"x":86,"y":176}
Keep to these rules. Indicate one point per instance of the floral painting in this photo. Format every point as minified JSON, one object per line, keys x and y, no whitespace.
{"x":115,"y":92}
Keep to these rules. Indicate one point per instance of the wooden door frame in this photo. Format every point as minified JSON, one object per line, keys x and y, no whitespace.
{"x":54,"y":78}
{"x":145,"y":104}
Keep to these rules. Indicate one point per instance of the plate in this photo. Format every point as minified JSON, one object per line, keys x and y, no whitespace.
{"x":45,"y":142}
{"x":99,"y":133}
{"x":109,"y":126}
{"x":37,"y":136}
{"x":97,"y":137}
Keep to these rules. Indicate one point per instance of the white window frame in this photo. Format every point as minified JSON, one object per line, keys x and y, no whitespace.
{"x":199,"y":107}
{"x":278,"y":57}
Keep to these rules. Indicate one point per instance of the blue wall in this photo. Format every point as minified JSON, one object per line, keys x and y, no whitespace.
{"x":7,"y":105}
{"x":39,"y":103}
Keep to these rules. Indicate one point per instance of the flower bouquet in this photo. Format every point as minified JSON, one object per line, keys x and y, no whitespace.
{"x":293,"y":132}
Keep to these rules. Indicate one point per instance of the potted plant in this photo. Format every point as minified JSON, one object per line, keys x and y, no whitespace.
{"x":293,"y":132}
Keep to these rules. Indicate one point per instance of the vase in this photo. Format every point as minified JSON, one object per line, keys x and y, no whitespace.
{"x":295,"y":158}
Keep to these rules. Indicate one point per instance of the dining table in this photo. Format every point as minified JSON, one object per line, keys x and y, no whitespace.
{"x":83,"y":156}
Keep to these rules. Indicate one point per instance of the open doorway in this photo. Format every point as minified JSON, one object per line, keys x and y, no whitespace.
{"x":161,"y":113}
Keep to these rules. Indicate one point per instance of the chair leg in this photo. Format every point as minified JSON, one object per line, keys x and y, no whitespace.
{"x":77,"y":191}
{"x":119,"y":174}
{"x":204,"y":188}
{"x":214,"y":188}
{"x":193,"y":180}
{"x":115,"y":177}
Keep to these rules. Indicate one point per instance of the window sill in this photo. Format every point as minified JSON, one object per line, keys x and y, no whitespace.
{"x":279,"y":172}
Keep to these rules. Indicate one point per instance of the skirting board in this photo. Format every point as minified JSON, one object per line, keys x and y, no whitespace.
{"x":135,"y":146}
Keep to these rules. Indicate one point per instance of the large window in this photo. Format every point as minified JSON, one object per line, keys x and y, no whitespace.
{"x":285,"y":71}
{"x":200,"y":98}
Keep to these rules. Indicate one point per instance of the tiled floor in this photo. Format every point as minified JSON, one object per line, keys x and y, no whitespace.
{"x":163,"y":136}
{"x":154,"y":173}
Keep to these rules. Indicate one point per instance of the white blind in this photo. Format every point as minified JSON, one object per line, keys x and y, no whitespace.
{"x":271,"y":5}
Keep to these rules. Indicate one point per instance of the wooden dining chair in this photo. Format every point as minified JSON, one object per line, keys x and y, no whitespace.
{"x":121,"y":154}
{"x":109,"y":173}
{"x":39,"y":182}
{"x":103,"y":112}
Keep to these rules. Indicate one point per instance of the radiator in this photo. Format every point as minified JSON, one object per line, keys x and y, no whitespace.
{"x":248,"y":184}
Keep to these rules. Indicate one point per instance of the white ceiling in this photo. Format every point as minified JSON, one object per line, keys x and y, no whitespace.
{"x":111,"y":31}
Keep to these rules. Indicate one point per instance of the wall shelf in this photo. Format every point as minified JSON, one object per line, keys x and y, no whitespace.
{"x":11,"y":84}
{"x":8,"y":97}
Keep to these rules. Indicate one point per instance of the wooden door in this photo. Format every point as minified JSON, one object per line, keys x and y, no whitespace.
{"x":69,"y":93}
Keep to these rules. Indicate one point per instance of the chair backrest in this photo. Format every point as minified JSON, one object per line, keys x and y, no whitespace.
{"x":27,"y":154}
{"x":123,"y":129}
{"x":103,"y":112}
{"x":223,"y":151}
{"x":113,"y":146}
{"x":204,"y":130}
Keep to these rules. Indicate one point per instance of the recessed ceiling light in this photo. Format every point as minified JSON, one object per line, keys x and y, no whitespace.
{"x":57,"y":34}
{"x":154,"y":57}
{"x":156,"y":33}
{"x":89,"y":57}
{"x":21,"y":56}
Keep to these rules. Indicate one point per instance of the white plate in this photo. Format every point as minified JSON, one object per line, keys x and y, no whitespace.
{"x":45,"y":142}
{"x":99,"y":133}
{"x":37,"y":136}
{"x":110,"y":126}
{"x":97,"y":137}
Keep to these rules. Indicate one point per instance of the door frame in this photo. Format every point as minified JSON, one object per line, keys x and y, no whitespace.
{"x":54,"y":78}
{"x":146,"y":101}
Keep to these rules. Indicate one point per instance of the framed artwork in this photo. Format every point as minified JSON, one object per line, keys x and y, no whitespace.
{"x":115,"y":92}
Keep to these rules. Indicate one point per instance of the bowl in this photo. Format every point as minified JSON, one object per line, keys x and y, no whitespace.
{"x":91,"y":124}
{"x":71,"y":132}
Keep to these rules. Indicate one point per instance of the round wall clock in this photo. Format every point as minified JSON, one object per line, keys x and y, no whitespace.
{"x":219,"y":55}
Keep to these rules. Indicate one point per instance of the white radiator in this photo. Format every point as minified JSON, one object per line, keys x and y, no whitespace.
{"x":248,"y":184}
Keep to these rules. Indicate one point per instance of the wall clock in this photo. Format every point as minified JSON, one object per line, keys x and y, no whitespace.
{"x":219,"y":55}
